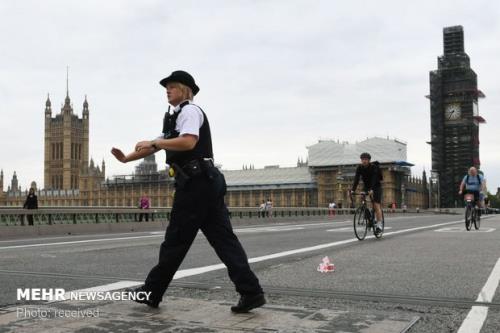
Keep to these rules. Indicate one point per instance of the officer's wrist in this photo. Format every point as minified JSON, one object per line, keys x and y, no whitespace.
{"x":154,"y":145}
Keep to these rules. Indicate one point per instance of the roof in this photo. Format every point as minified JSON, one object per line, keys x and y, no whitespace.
{"x":327,"y":153}
{"x":268,"y":176}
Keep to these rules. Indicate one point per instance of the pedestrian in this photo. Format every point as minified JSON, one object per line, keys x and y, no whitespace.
{"x":199,"y":197}
{"x":334,"y":205}
{"x":269,"y":208}
{"x":31,"y":202}
{"x":262,"y":209}
{"x":330,"y":209}
{"x":144,"y":204}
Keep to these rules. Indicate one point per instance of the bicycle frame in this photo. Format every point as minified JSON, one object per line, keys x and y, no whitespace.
{"x":366,"y":220}
{"x":471,"y":210}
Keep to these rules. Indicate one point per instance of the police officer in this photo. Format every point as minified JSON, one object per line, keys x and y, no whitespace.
{"x":199,"y":197}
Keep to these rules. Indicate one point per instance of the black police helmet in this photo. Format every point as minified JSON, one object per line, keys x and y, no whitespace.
{"x":365,"y":155}
{"x":181,"y":77}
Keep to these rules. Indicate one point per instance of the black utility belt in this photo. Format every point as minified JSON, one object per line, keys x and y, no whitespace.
{"x":191,"y":169}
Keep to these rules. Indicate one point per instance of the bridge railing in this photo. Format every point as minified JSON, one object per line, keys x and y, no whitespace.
{"x":82,"y":215}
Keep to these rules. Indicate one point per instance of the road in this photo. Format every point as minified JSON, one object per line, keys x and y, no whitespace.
{"x":425,"y":266}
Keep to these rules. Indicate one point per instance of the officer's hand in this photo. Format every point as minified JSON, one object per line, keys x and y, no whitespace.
{"x":460,"y":192}
{"x":370,"y":192}
{"x":120,"y":156}
{"x":143,"y":145}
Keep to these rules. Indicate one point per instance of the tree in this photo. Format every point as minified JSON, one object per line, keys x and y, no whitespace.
{"x":494,"y":200}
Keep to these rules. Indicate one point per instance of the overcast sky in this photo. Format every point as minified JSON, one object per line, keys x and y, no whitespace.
{"x":275,"y":76}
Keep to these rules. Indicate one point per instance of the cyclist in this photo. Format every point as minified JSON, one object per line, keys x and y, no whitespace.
{"x":473,"y":183}
{"x":371,"y":175}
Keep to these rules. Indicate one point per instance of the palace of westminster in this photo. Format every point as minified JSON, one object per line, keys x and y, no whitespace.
{"x":70,"y":179}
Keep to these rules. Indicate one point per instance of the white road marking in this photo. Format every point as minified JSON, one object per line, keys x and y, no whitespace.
{"x":488,"y":291}
{"x":200,"y":270}
{"x":477,"y":315}
{"x":349,"y":229}
{"x":103,"y":288}
{"x":266,"y":229}
{"x":75,"y":242}
{"x":457,"y":229}
{"x":161,"y":233}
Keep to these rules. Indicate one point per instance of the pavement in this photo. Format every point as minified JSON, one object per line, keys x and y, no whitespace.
{"x":191,"y":315}
{"x":427,"y":274}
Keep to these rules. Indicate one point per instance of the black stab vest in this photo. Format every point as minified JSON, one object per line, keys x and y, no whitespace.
{"x":202,"y":149}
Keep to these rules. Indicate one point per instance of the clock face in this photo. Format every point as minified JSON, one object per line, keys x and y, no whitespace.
{"x":452,"y":112}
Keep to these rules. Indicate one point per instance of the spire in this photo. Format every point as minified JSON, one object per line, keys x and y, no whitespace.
{"x":85,"y":105}
{"x":48,"y":106}
{"x":67,"y":81}
{"x":67,"y":100}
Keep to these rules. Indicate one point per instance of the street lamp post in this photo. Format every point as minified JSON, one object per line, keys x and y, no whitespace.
{"x":435,"y":177}
{"x":430,"y":193}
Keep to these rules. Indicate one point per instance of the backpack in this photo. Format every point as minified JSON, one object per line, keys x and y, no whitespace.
{"x":467,"y":180}
{"x":379,"y":171}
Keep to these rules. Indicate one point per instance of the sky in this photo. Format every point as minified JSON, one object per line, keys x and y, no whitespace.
{"x":275,"y":76}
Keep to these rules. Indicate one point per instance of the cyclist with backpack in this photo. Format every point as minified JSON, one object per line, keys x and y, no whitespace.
{"x":473,"y":183}
{"x":372,"y":175}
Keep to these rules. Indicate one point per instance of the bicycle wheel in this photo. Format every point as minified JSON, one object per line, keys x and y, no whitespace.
{"x":468,"y":217}
{"x":360,"y":223}
{"x":477,"y":220}
{"x":379,"y":234}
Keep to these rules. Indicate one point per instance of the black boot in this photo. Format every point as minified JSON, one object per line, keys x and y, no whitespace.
{"x":151,"y":302}
{"x":249,"y":302}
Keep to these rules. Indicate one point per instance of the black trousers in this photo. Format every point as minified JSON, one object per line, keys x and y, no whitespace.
{"x":199,"y":204}
{"x":143,"y":214}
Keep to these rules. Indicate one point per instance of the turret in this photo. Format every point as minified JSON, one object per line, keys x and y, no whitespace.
{"x":14,"y":183}
{"x":85,"y":111}
{"x":103,"y":168}
{"x":48,"y":107}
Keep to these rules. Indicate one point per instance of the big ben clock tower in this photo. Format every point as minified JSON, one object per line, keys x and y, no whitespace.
{"x":454,"y":117}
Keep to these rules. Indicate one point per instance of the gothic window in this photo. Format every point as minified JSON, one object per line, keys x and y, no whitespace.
{"x":236,"y":199}
{"x":246,"y":199}
{"x":299,"y":199}
{"x":288,"y":198}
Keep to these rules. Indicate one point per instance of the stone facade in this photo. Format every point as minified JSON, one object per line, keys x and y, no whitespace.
{"x":71,"y":180}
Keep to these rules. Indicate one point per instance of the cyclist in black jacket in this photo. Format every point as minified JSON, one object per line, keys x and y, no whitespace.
{"x":371,"y":175}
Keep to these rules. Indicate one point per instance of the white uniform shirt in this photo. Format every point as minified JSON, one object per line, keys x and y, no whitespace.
{"x":189,"y":120}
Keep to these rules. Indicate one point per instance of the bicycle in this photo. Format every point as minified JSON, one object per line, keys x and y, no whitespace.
{"x":364,"y":218}
{"x":471,"y":213}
